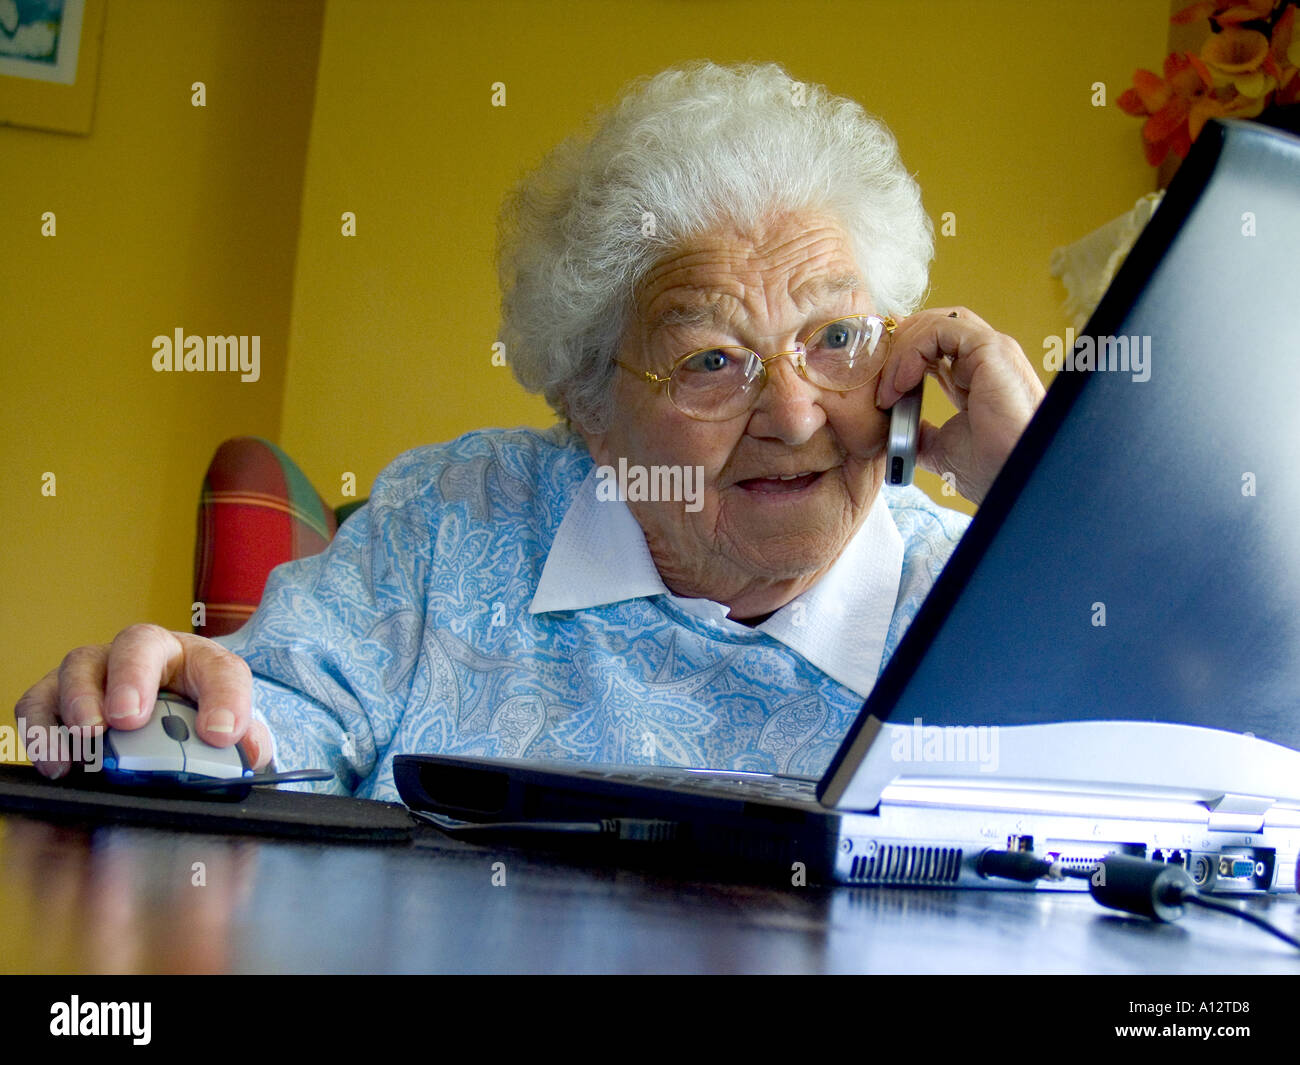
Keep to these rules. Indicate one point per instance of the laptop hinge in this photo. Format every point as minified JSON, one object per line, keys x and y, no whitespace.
{"x":1238,"y":813}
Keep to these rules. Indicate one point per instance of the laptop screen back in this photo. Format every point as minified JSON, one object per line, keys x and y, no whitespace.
{"x":1149,"y":569}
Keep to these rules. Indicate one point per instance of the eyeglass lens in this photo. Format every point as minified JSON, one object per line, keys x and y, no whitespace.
{"x":723,"y":382}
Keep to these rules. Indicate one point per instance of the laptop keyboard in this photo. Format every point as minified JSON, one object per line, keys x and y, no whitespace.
{"x":709,"y":782}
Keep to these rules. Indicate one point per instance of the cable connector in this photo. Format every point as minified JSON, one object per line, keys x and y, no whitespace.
{"x":1016,"y":865}
{"x":1135,"y":885}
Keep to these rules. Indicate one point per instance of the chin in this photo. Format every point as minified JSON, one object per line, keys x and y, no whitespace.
{"x":786,"y":560}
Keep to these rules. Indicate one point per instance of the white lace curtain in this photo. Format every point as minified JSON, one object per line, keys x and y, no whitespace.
{"x":1087,"y":266}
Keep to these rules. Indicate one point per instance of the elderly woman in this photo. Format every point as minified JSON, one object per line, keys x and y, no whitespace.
{"x":700,"y":566}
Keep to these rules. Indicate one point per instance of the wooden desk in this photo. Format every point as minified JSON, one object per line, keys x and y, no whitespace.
{"x":116,"y":899}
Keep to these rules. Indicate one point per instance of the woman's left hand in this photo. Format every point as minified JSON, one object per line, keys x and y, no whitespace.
{"x":986,"y":376}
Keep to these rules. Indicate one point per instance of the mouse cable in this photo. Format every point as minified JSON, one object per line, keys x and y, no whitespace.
{"x":1122,"y":882}
{"x":291,"y":776}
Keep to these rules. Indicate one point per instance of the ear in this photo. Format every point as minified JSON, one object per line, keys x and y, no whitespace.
{"x":597,"y":440}
{"x":597,"y":443}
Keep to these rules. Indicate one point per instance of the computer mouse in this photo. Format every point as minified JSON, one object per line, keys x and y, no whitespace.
{"x":166,"y":754}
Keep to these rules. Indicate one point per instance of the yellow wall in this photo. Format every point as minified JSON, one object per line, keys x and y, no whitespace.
{"x":170,"y":216}
{"x":167,"y":215}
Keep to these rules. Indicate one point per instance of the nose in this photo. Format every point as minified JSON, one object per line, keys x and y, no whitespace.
{"x":789,"y":407}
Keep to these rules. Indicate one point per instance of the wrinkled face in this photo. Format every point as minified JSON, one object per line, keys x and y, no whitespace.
{"x":785,"y":485}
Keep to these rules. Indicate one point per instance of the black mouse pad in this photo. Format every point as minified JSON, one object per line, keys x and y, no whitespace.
{"x":265,"y":811}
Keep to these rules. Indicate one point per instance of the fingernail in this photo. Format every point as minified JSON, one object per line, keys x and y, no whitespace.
{"x":221,"y":721}
{"x":85,"y":710}
{"x":122,"y":703}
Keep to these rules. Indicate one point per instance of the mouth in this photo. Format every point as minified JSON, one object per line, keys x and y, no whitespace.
{"x":781,"y":484}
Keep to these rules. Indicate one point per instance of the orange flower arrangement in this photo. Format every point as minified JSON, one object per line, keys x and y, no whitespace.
{"x":1248,"y":62}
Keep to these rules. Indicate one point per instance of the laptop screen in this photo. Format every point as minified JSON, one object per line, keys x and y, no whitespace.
{"x":1139,"y":557}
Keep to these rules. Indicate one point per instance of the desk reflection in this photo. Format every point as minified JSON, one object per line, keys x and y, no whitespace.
{"x":127,"y":899}
{"x":109,"y":901}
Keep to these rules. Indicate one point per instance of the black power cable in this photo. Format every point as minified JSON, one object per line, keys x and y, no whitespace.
{"x":1122,"y":882}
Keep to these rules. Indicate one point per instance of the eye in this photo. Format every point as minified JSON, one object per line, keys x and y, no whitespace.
{"x":837,"y":336}
{"x":712,"y":361}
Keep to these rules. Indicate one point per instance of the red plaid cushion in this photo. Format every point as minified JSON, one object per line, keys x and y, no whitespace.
{"x":257,"y":510}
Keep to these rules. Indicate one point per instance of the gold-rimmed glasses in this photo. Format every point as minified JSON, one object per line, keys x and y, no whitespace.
{"x":719,"y":383}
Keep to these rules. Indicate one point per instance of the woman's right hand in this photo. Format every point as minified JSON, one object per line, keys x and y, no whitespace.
{"x":115,"y":685}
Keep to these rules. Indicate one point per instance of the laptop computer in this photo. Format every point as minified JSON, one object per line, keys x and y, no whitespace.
{"x":1110,"y":660}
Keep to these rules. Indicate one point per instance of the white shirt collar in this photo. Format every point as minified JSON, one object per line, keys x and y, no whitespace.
{"x":839,"y":625}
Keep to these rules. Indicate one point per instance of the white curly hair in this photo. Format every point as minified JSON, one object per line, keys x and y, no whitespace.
{"x":689,"y":148}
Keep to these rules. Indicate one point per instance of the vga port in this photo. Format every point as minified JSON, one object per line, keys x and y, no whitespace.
{"x":1236,"y":869}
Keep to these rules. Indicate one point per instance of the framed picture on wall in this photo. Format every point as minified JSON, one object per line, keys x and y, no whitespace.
{"x":49,"y":63}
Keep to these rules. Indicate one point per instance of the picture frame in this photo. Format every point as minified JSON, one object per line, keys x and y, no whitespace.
{"x":50,"y":89}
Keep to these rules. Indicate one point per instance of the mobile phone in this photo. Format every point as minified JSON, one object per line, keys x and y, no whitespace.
{"x":904,"y":436}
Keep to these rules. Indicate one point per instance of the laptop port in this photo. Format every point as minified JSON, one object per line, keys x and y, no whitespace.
{"x":1083,"y":855}
{"x":1244,"y":869}
{"x":1169,"y":856}
{"x":1021,"y":843}
{"x":1235,"y":867}
{"x":1201,"y":870}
